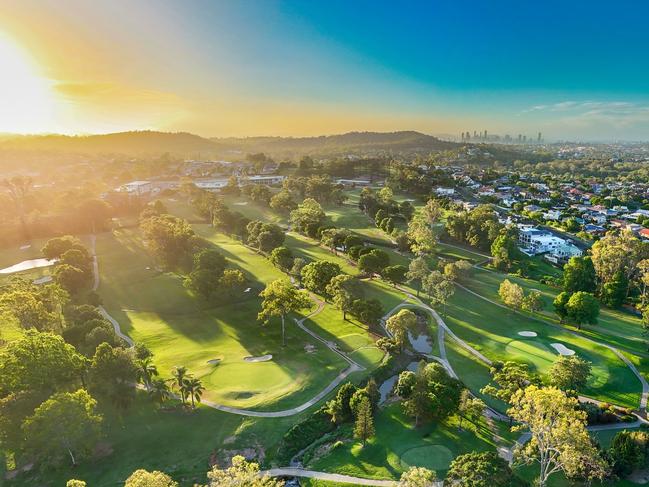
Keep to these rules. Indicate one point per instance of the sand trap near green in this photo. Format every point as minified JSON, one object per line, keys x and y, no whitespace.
{"x":433,"y":457}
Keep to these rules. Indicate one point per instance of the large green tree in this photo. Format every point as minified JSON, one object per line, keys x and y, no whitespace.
{"x":316,"y":276}
{"x":280,"y":298}
{"x":479,"y":469}
{"x":570,"y":372}
{"x":559,"y":438}
{"x":344,"y":290}
{"x":579,"y":275}
{"x":241,"y":474}
{"x":66,"y":425}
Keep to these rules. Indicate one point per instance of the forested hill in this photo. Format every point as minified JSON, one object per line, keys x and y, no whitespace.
{"x":189,"y":145}
{"x":364,"y":142}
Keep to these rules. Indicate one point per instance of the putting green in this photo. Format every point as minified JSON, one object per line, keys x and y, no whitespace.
{"x":535,"y":352}
{"x":433,"y":457}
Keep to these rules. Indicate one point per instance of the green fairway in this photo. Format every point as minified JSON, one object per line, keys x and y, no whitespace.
{"x":615,"y":327}
{"x":178,"y":443}
{"x":155,"y":308}
{"x":398,"y":445}
{"x":494,"y":331}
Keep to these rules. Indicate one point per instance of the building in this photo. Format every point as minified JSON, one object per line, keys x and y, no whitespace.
{"x":445,"y":191}
{"x":213,"y":185}
{"x":136,"y":188}
{"x":267,"y":180}
{"x":563,"y":253}
{"x":534,"y":241}
{"x":554,"y":215}
{"x":353,"y":183}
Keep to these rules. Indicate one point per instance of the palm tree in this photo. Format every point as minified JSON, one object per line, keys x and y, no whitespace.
{"x":193,"y":388}
{"x":146,"y":370}
{"x":179,"y":374}
{"x":159,"y":390}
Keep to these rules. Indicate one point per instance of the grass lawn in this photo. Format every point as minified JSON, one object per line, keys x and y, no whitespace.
{"x":615,"y":327}
{"x":494,"y":331}
{"x":156,"y":309}
{"x":398,"y":445}
{"x":175,"y":442}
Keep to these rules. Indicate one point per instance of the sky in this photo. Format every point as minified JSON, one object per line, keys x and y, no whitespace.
{"x":573,"y":70}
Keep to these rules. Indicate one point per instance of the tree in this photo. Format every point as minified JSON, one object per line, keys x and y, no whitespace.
{"x":511,"y":294}
{"x":344,"y":290}
{"x":628,"y":451}
{"x":64,"y":425}
{"x":559,"y":438}
{"x":339,"y":408}
{"x":368,"y":311}
{"x":279,"y":299}
{"x":399,"y":324}
{"x":264,"y":236}
{"x":146,"y":371}
{"x":385,"y":194}
{"x":296,"y":268}
{"x":112,"y":374}
{"x":179,"y":374}
{"x":406,"y":209}
{"x":317,"y":275}
{"x":582,"y":308}
{"x":282,"y":257}
{"x":159,"y":390}
{"x":39,"y":362}
{"x":421,"y":235}
{"x":34,"y":307}
{"x":56,"y":247}
{"x":579,"y":275}
{"x":507,"y":379}
{"x":70,"y":278}
{"x":479,"y":469}
{"x":170,"y":239}
{"x":241,"y":474}
{"x":418,"y":270}
{"x":560,"y":304}
{"x":532,"y":301}
{"x":283,"y":202}
{"x":615,"y":290}
{"x":193,"y":388}
{"x":308,"y":214}
{"x":570,"y":372}
{"x":231,"y":283}
{"x":615,"y":254}
{"x":470,"y":408}
{"x":364,"y":425}
{"x":433,"y":211}
{"x":143,"y":478}
{"x":75,"y":483}
{"x":418,"y":477}
{"x":505,"y":251}
{"x":395,"y":274}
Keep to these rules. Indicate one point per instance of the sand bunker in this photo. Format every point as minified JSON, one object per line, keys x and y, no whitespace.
{"x":562,"y":349}
{"x":43,"y":280}
{"x":527,"y":333}
{"x":25,"y":265}
{"x":25,"y":247}
{"x":263,"y":358}
{"x":241,"y":203}
{"x":214,"y":361}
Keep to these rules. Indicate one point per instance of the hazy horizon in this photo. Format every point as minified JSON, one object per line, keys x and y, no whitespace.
{"x":222,"y":69}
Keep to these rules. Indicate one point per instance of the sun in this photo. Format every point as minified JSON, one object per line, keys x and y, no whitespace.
{"x":26,"y":99}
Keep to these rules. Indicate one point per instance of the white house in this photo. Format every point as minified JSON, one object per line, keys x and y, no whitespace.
{"x":533,"y":241}
{"x":136,"y":188}
{"x":267,"y":180}
{"x":554,"y":215}
{"x":445,"y":191}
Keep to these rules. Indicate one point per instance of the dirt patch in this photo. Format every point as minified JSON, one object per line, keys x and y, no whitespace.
{"x":223,"y":458}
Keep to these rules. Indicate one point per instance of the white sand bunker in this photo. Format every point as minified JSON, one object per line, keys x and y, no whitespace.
{"x":562,"y":349}
{"x":309,"y":348}
{"x":263,"y":358}
{"x":527,"y":333}
{"x":214,"y":361}
{"x":26,"y":265}
{"x":241,"y":203}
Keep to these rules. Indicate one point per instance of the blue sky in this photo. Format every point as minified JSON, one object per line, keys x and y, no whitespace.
{"x":572,"y":69}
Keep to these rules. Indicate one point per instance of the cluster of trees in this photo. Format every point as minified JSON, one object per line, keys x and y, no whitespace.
{"x":319,"y":188}
{"x":553,"y":416}
{"x":171,"y":240}
{"x":358,"y":405}
{"x":429,"y":394}
{"x":264,"y":236}
{"x":514,"y":296}
{"x":477,"y":228}
{"x":73,"y":271}
{"x":383,"y":209}
{"x":438,"y":284}
{"x":211,"y":279}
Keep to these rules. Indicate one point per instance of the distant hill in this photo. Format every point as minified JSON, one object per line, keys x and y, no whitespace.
{"x":189,"y":145}
{"x":148,"y":142}
{"x":404,"y":141}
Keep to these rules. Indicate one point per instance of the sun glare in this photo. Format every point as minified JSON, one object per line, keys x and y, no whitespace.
{"x":26,"y":101}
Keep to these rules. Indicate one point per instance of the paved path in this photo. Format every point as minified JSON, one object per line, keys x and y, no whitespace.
{"x":332,"y":477}
{"x":95,"y":286}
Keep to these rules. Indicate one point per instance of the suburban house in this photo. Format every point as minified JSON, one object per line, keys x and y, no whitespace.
{"x":534,"y":241}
